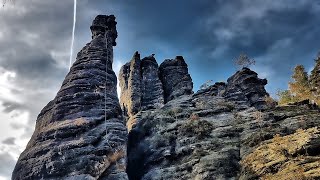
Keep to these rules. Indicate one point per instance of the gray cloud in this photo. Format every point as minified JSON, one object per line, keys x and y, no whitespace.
{"x":36,"y":48}
{"x":6,"y":165}
{"x":9,"y":141}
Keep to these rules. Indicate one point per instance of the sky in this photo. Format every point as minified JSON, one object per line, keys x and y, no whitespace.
{"x":35,"y":38}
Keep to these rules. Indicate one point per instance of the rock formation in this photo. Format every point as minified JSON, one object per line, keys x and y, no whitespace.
{"x":225,"y":131}
{"x":141,"y":88}
{"x":152,"y":96}
{"x":130,"y":83}
{"x":81,"y":134}
{"x":175,"y":78}
{"x":207,"y":136}
{"x":245,"y":87}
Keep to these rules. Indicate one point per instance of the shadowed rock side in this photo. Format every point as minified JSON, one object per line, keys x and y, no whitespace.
{"x":141,"y":88}
{"x":72,"y":138}
{"x":175,"y":78}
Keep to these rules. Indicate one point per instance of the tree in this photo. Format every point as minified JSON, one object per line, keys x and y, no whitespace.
{"x":300,"y":87}
{"x":243,"y":61}
{"x":285,"y":97}
{"x":315,"y":81}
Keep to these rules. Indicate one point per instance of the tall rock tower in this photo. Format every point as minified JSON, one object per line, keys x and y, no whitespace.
{"x":81,"y":134}
{"x":141,"y":88}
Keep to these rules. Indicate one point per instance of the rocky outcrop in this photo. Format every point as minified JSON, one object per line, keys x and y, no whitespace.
{"x":81,"y":134}
{"x":141,"y":88}
{"x":205,"y":137}
{"x":130,"y":84}
{"x":175,"y":78}
{"x":226,"y":131}
{"x":244,"y":87}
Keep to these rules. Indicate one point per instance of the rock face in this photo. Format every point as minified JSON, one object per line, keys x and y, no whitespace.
{"x":226,"y":131}
{"x":140,"y":85}
{"x":152,"y":96}
{"x":81,"y":134}
{"x":175,"y":78}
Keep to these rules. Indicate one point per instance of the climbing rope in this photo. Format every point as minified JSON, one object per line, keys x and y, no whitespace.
{"x":105,"y":89}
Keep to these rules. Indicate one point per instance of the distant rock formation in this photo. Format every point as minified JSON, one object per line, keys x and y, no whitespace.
{"x":243,"y":88}
{"x":175,"y":78}
{"x":81,"y":133}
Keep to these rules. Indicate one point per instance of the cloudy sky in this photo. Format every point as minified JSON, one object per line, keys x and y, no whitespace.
{"x":35,"y":37}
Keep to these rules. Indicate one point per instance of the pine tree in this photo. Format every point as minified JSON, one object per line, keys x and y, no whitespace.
{"x":300,"y":87}
{"x":315,"y":81}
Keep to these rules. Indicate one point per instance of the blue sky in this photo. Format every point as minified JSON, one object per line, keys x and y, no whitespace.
{"x":35,"y":39}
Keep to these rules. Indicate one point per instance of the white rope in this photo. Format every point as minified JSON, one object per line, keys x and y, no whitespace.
{"x":105,"y":89}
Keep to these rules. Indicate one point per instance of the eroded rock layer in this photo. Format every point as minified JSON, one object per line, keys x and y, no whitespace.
{"x":81,"y":134}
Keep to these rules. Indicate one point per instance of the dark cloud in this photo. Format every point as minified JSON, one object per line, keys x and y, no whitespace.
{"x":210,"y":34}
{"x":35,"y":46}
{"x":12,"y":106}
{"x":9,"y":141}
